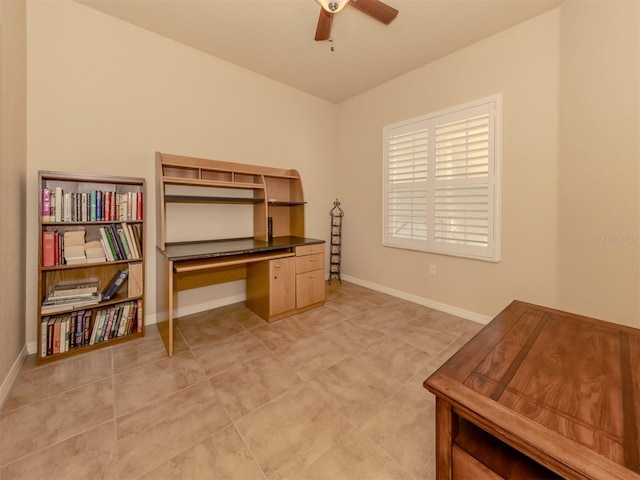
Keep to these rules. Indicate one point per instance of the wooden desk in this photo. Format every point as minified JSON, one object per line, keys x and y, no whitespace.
{"x":199,"y":263}
{"x":540,"y":392}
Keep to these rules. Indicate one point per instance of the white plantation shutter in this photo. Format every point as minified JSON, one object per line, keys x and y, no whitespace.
{"x":441,"y":182}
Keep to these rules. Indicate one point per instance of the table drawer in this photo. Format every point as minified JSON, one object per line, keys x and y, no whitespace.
{"x":309,"y":263}
{"x":310,"y":249}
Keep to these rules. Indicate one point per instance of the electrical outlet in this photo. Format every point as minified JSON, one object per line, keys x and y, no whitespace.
{"x":432,"y":270}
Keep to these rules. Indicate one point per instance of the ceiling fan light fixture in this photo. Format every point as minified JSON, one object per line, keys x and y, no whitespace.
{"x":333,"y":6}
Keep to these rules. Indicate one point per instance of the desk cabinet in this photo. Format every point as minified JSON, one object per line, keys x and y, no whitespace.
{"x":310,"y":289}
{"x":271,"y":288}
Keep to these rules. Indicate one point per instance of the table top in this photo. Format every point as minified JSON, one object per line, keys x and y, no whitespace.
{"x":194,"y":250}
{"x":561,"y":385}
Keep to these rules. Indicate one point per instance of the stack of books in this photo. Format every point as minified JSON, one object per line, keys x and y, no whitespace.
{"x":73,"y":249}
{"x":68,"y":296}
{"x":94,"y":252}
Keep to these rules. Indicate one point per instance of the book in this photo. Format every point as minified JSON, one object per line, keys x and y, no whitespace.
{"x":84,"y":287}
{"x":46,"y":205}
{"x":124,"y":243}
{"x":94,"y":252}
{"x":58,"y":306}
{"x":107,"y":245}
{"x":43,"y":336}
{"x":48,"y":248}
{"x":56,"y":335}
{"x":117,"y":243}
{"x":50,"y":330}
{"x":116,"y":282}
{"x":59,"y":196}
{"x":126,"y":230}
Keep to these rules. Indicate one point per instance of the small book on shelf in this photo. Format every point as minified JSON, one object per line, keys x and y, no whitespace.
{"x":116,"y":282}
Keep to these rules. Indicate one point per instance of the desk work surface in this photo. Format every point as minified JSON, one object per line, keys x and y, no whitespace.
{"x":563,"y":388}
{"x":195,"y":250}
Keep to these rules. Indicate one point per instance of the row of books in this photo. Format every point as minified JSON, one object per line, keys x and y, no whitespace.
{"x":94,"y":206}
{"x":117,"y":242}
{"x":62,"y":333}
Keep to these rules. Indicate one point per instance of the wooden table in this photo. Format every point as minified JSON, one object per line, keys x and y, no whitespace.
{"x":540,"y":393}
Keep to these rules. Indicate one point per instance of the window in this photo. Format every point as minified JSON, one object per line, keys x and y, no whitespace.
{"x":442,"y":175}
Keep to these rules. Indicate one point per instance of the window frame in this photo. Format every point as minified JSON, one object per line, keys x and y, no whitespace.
{"x":490,"y":185}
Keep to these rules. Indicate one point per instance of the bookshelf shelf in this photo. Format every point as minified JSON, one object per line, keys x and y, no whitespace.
{"x":92,"y":235}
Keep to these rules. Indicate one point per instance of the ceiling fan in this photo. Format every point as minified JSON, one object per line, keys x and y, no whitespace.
{"x":374,"y":8}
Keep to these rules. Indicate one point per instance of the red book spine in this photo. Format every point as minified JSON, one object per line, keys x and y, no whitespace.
{"x":107,"y":206}
{"x":48,"y":249}
{"x":139,"y":205}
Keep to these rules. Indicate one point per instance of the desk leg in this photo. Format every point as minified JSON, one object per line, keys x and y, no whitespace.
{"x":446,"y":430}
{"x":171,"y":293}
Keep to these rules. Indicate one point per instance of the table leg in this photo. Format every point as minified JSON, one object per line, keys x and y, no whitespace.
{"x":170,"y":289}
{"x":446,"y":430}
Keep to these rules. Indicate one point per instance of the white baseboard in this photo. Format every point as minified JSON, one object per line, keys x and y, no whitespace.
{"x":196,"y":308}
{"x":443,"y":307}
{"x":13,"y":374}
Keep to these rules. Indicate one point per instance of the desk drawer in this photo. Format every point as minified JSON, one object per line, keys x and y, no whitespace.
{"x":309,"y":263}
{"x":310,"y":249}
{"x":310,"y":288}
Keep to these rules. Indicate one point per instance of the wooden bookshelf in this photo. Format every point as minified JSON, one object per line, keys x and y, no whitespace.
{"x":107,"y":215}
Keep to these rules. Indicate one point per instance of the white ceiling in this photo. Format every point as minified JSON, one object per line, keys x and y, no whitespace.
{"x":275,"y":38}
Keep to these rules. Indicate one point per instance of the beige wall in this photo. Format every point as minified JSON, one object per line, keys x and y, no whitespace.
{"x":104,"y":96}
{"x":599,"y":210}
{"x":522,"y":63}
{"x":13,"y":143}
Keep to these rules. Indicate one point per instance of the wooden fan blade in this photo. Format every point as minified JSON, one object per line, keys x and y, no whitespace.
{"x":376,"y":9}
{"x":323,"y":31}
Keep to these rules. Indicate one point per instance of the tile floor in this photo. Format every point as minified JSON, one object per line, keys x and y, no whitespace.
{"x":332,"y":393}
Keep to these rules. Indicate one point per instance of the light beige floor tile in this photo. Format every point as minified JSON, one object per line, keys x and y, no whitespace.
{"x":321,"y":318}
{"x":355,"y":457}
{"x":404,"y":427}
{"x":222,"y":456}
{"x":291,"y":432}
{"x":422,"y":335}
{"x":245,"y":317}
{"x":397,"y":359}
{"x":380,"y":319}
{"x":92,"y":454}
{"x":449,"y":323}
{"x":202,"y":330}
{"x":41,"y":424}
{"x":282,"y":332}
{"x":135,"y":388}
{"x":150,"y":436}
{"x":349,"y":306}
{"x":229,"y":352}
{"x":314,"y":354}
{"x":244,"y":388}
{"x":35,"y":384}
{"x":354,"y":388}
{"x":144,"y":350}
